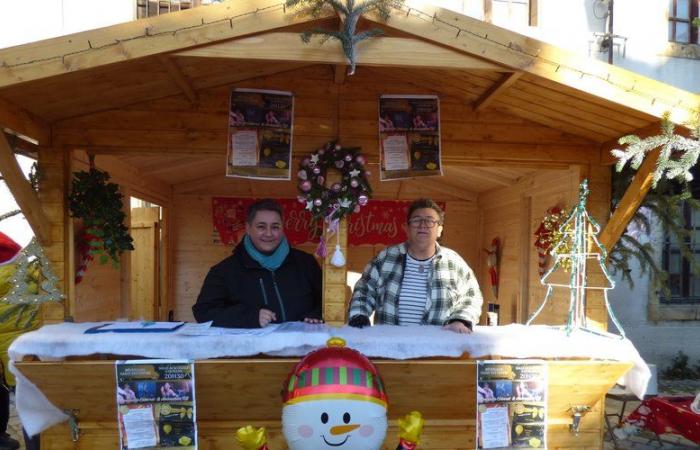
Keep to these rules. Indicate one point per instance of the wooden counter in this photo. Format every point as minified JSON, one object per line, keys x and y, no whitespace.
{"x":236,"y":392}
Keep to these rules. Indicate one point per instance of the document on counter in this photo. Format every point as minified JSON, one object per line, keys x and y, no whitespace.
{"x":206,"y":329}
{"x":135,"y":327}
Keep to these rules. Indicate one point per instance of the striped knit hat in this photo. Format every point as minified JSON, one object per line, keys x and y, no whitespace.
{"x":334,"y":372}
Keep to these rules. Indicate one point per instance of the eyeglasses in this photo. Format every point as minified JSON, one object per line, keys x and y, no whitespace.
{"x":427,"y":222}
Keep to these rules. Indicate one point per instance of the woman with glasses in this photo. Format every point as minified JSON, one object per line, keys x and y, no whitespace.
{"x":418,"y":281}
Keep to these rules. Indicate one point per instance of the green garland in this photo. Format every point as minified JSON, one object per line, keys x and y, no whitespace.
{"x":99,"y":204}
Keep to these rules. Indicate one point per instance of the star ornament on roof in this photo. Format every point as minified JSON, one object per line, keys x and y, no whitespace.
{"x":345,"y":203}
{"x":354,"y":173}
{"x":314,"y":158}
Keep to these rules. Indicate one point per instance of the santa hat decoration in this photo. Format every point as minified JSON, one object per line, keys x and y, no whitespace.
{"x":9,"y":249}
{"x":334,"y":372}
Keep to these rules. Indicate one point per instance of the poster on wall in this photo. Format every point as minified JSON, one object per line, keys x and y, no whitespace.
{"x":409,"y":136}
{"x":511,"y":404}
{"x":156,"y":406}
{"x":380,"y":222}
{"x":260,"y":134}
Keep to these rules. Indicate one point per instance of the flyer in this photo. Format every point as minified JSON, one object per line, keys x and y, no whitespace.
{"x":156,"y":406}
{"x":409,"y":136}
{"x":260,"y":134}
{"x":511,"y":404}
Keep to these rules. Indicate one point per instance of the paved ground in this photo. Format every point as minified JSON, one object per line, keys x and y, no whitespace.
{"x":641,"y":442}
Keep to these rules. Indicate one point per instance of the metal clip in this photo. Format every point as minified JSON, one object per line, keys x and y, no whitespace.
{"x":577,"y":413}
{"x":73,"y":423}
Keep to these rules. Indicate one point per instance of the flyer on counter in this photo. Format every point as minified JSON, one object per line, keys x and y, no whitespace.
{"x":511,"y":404}
{"x":409,"y":136}
{"x":156,"y":407}
{"x":260,"y":134}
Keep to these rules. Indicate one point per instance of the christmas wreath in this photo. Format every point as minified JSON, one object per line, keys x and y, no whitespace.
{"x":342,"y":198}
{"x":99,"y":204}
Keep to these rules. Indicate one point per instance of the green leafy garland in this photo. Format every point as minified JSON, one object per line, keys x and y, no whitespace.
{"x":341,"y":199}
{"x":350,"y":13}
{"x":99,"y":204}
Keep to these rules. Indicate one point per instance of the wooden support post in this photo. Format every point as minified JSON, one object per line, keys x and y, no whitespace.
{"x":23,"y":193}
{"x":335,"y":278}
{"x":634,"y":195}
{"x":506,"y":81}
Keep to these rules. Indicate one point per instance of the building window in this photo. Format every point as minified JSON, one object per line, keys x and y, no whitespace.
{"x":680,"y":21}
{"x":510,"y":13}
{"x":151,"y":8}
{"x":683,"y":284}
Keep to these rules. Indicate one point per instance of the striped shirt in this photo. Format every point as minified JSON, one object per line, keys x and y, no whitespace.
{"x":414,"y":290}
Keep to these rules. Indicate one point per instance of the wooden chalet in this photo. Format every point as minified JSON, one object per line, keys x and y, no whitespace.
{"x":523,"y":122}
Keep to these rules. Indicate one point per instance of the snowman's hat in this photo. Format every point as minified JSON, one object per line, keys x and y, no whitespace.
{"x":334,"y":372}
{"x":9,"y":249}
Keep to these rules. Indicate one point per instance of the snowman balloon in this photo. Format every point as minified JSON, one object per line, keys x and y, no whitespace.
{"x":334,"y":399}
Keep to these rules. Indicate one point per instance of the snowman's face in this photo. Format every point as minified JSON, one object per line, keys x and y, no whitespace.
{"x":334,"y":424}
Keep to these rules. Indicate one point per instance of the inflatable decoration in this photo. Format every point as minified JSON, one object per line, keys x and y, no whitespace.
{"x":334,"y":398}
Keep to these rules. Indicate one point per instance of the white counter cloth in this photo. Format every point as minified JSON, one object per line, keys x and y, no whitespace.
{"x":55,"y":342}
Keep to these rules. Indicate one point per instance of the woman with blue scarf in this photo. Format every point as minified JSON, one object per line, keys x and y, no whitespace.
{"x":264,"y":281}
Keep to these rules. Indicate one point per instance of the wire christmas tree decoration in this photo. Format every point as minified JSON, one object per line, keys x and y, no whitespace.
{"x":579,"y":229}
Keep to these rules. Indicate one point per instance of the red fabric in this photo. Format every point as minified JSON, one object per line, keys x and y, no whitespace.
{"x":379,"y":222}
{"x":667,"y":415}
{"x":8,"y":248}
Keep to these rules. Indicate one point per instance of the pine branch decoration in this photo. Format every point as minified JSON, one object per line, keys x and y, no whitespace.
{"x":350,"y":13}
{"x":678,"y":153}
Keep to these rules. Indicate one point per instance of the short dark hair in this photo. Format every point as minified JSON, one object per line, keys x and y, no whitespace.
{"x":265,"y":204}
{"x":425,"y":203}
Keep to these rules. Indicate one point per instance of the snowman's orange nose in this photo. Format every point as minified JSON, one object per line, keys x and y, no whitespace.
{"x":342,"y":429}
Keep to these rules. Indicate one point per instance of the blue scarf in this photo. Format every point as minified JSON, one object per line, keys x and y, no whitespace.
{"x":272,"y":261}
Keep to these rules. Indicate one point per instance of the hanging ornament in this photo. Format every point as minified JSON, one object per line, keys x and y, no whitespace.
{"x":547,"y":234}
{"x":48,"y":291}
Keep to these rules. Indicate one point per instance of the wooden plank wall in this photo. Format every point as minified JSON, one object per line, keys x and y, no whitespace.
{"x":103,"y":292}
{"x":513,"y":214}
{"x":323,"y":110}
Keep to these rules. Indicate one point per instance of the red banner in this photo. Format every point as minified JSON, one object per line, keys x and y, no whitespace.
{"x":380,"y":222}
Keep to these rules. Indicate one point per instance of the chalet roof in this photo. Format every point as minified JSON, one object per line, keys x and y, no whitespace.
{"x":441,"y":51}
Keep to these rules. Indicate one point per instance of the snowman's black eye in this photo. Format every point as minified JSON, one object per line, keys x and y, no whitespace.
{"x":346,"y":417}
{"x":324,"y":418}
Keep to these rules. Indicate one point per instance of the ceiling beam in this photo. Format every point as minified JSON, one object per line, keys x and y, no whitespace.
{"x":380,"y":51}
{"x":23,"y":193}
{"x":498,"y":88}
{"x":146,"y":37}
{"x":175,"y":73}
{"x":630,"y":202}
{"x":22,"y":122}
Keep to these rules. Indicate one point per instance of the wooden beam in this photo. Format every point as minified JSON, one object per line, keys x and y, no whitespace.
{"x":540,"y":59}
{"x":381,"y":51}
{"x":147,"y":37}
{"x":339,"y":73}
{"x":506,"y":81}
{"x":653,"y":129}
{"x":22,"y":122}
{"x":175,"y":73}
{"x":23,"y":193}
{"x":634,"y":195}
